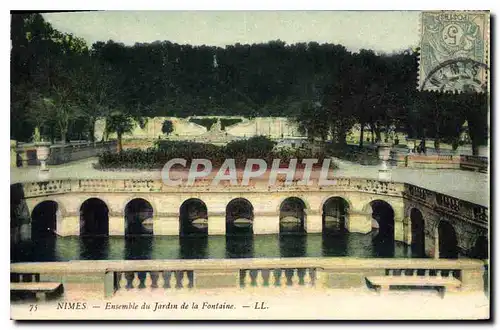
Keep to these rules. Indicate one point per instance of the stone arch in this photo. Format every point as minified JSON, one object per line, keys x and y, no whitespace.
{"x":417,"y":229}
{"x":292,"y":215}
{"x":44,"y":219}
{"x":193,"y":217}
{"x":138,"y":214}
{"x":447,"y":240}
{"x":94,"y":217}
{"x":480,"y":248}
{"x":383,"y":223}
{"x":334,"y":214}
{"x":304,"y":200}
{"x":382,"y":216}
{"x":239,"y":216}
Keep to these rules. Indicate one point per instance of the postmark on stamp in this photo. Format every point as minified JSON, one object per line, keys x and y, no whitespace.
{"x":454,"y":51}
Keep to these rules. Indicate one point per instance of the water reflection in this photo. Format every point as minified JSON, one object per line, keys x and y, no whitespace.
{"x":138,"y":247}
{"x":94,"y":248}
{"x":193,"y":247}
{"x":293,"y":245}
{"x":334,"y":244}
{"x":239,"y":246}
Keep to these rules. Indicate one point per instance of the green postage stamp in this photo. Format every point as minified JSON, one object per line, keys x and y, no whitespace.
{"x":454,"y":50}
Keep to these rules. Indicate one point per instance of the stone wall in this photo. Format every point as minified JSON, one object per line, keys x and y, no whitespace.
{"x":274,"y":127}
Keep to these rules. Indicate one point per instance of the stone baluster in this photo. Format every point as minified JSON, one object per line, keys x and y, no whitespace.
{"x":259,"y":278}
{"x":160,"y":283}
{"x":439,"y":273}
{"x":248,"y":278}
{"x":414,"y":272}
{"x":136,"y":281}
{"x":427,"y":273}
{"x":122,"y":282}
{"x":308,"y":281}
{"x":283,"y":279}
{"x":390,"y":272}
{"x":173,"y":280}
{"x":148,"y":282}
{"x":185,"y":279}
{"x":294,"y":277}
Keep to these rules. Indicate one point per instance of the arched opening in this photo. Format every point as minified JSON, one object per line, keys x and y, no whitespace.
{"x":335,"y":211}
{"x":193,"y":218}
{"x":383,"y":225}
{"x":448,"y":243}
{"x":292,"y":215}
{"x":480,"y":249}
{"x":44,"y":220}
{"x":417,"y":233}
{"x":94,"y":218}
{"x":138,"y":217}
{"x":239,"y":217}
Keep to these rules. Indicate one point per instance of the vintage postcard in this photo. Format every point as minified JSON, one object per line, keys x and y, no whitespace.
{"x":250,"y":165}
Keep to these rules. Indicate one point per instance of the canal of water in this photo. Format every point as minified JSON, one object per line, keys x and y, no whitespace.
{"x":370,"y":245}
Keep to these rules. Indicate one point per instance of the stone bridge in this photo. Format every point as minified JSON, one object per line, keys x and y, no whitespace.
{"x":439,"y":225}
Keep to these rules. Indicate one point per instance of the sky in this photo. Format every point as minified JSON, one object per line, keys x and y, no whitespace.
{"x":381,"y":31}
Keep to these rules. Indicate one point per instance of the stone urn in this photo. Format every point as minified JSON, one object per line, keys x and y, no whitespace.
{"x":384,"y":153}
{"x":42,"y":154}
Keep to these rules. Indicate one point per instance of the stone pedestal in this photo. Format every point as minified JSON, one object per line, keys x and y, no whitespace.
{"x":69,"y":226}
{"x":166,"y":226}
{"x":384,"y":152}
{"x":266,"y":224}
{"x":216,"y":225}
{"x":472,"y":279}
{"x":314,"y":223}
{"x":359,"y":222}
{"x":117,"y":226}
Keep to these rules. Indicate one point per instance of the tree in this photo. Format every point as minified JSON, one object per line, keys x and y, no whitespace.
{"x":120,"y":123}
{"x":167,"y":127}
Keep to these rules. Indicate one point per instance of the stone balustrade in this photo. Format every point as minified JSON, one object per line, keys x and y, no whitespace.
{"x":60,"y":154}
{"x":441,"y":161}
{"x":42,"y":188}
{"x":146,"y":275}
{"x":455,"y":207}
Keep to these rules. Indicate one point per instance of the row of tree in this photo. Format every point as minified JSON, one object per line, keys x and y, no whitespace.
{"x":62,"y":86}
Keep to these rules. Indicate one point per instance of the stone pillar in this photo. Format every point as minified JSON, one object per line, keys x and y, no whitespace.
{"x":359,"y":222}
{"x":166,"y":226}
{"x":314,"y":223}
{"x":266,"y":224}
{"x":216,"y":224}
{"x":116,"y":225}
{"x":472,"y":279}
{"x":407,"y":234}
{"x":69,"y":226}
{"x":399,"y":231}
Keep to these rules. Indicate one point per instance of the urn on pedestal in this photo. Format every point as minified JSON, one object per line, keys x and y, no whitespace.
{"x":384,"y":153}
{"x":42,"y":154}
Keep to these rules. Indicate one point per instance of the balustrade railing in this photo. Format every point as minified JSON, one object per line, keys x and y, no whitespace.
{"x":305,"y":277}
{"x":248,"y":273}
{"x":180,"y":279}
{"x":458,"y":207}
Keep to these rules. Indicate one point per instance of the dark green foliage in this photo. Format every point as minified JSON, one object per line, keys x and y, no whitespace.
{"x":167,"y":127}
{"x":205,"y":122}
{"x":324,"y":87}
{"x":225,"y":122}
{"x":155,"y":158}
